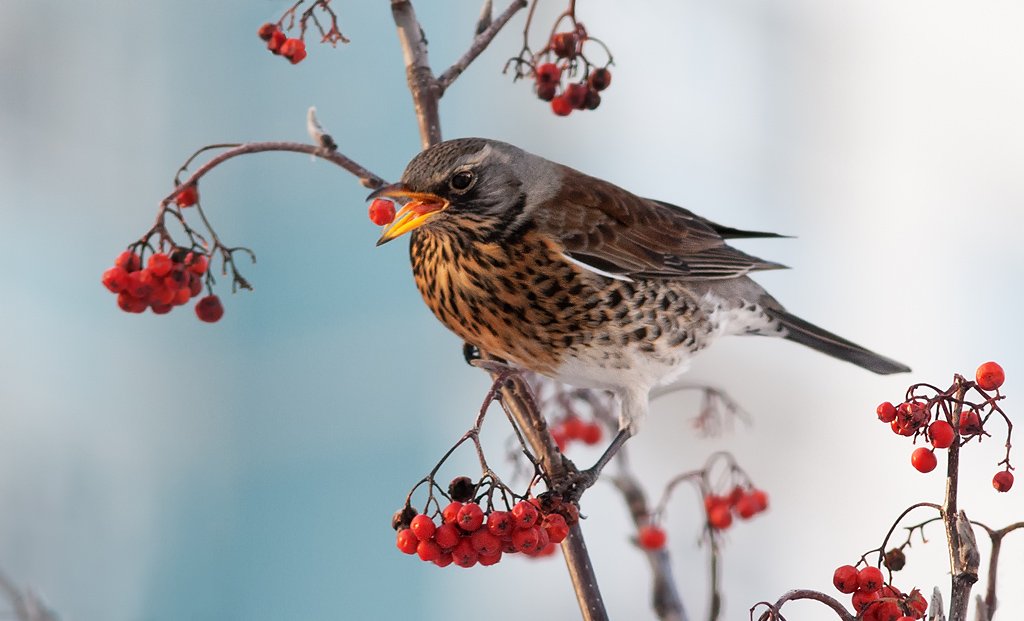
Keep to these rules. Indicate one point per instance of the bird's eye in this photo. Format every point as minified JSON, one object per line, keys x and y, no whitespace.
{"x":461,"y":181}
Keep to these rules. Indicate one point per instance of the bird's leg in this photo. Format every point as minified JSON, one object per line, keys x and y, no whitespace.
{"x":578,"y":482}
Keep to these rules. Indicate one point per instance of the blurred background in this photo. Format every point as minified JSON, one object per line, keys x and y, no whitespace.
{"x":157,"y":468}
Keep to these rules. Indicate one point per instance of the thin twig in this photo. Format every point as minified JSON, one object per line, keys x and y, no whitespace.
{"x":480,"y":43}
{"x":831,"y":602}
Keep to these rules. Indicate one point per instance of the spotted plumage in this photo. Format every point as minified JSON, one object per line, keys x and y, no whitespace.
{"x":578,"y":279}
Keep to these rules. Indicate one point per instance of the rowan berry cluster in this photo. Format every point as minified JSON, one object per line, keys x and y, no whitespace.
{"x":932,"y":419}
{"x":294,"y":48}
{"x":745,"y":503}
{"x":464,"y":533}
{"x":168,"y":280}
{"x":561,"y":71}
{"x":873,"y":599}
{"x":572,"y":427}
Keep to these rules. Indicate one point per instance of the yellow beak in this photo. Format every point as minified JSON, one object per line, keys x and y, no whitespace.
{"x":419,"y":208}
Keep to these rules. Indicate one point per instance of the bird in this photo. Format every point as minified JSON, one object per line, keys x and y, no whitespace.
{"x":580,"y":280}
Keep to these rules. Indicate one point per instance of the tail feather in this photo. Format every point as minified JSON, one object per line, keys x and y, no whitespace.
{"x":814,"y":337}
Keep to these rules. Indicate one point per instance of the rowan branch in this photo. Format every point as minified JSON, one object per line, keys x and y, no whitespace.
{"x":420,"y":78}
{"x":480,"y":43}
{"x":773,"y":609}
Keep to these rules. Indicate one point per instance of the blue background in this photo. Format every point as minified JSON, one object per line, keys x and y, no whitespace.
{"x":157,"y":468}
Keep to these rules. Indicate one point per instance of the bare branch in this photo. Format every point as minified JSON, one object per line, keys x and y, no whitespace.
{"x":480,"y":43}
{"x":796,"y":594}
{"x":420,"y":78}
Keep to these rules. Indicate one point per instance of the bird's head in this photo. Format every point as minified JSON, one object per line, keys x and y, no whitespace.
{"x":467,"y":183}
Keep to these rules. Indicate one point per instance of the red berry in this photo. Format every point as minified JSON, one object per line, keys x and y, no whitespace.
{"x":428,"y":550}
{"x":916,"y":603}
{"x":592,"y":101}
{"x":160,"y":309}
{"x":548,"y":550}
{"x":862,"y":598}
{"x":447,"y":535}
{"x":129,"y":261}
{"x":486,"y":560}
{"x":463,"y":554}
{"x":524,"y":514}
{"x":886,"y":412}
{"x":407,"y":541}
{"x":275,"y":42}
{"x":208,"y":309}
{"x":759,"y":499}
{"x":115,"y":279}
{"x":563,"y":44}
{"x":556,"y":527}
{"x":382,"y":212}
{"x":292,"y":48}
{"x":266,"y":31}
{"x":651,"y":537}
{"x":941,"y":434}
{"x":719,"y":517}
{"x":573,"y":427}
{"x":525,"y":540}
{"x":195,"y":285}
{"x":970,"y":423}
{"x":746,"y":508}
{"x":845,"y":579}
{"x":887,"y":611}
{"x":162,"y":296}
{"x":188,"y":197}
{"x":182,"y":296}
{"x":923,"y":459}
{"x":159,"y":264}
{"x":546,"y":92}
{"x":485,"y":543}
{"x":450,"y":514}
{"x":543,"y":539}
{"x":471,"y":517}
{"x":558,"y":434}
{"x":1003,"y":481}
{"x":499,"y":524}
{"x":130,"y":303}
{"x":592,"y":434}
{"x":989,"y":376}
{"x":140,"y":284}
{"x":561,"y":106}
{"x":444,"y":560}
{"x":576,"y":95}
{"x":870,"y":579}
{"x":423,"y":527}
{"x":197,"y":263}
{"x":548,"y":73}
{"x":599,"y":79}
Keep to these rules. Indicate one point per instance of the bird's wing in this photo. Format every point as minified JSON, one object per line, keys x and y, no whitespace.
{"x":616,"y":232}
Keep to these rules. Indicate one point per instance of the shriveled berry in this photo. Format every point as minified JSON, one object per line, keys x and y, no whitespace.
{"x":463,"y":554}
{"x":461,"y":489}
{"x":576,"y":95}
{"x":548,"y":501}
{"x":941,"y":434}
{"x":159,"y":263}
{"x":500,"y":524}
{"x":402,"y":518}
{"x":556,"y":527}
{"x":407,"y":541}
{"x":1002,"y":481}
{"x":923,"y":459}
{"x":720,"y":517}
{"x":894,"y":559}
{"x":188,"y":197}
{"x":447,"y":535}
{"x":382,"y":212}
{"x":599,"y":79}
{"x":561,"y":106}
{"x":471,"y":517}
{"x":266,"y":31}
{"x":546,"y":92}
{"x":276,"y":40}
{"x":444,"y":560}
{"x":845,"y":579}
{"x":486,"y":560}
{"x":208,"y":309}
{"x":651,"y":537}
{"x":548,"y":73}
{"x":524,"y":514}
{"x":570,"y":512}
{"x":485,"y":543}
{"x":886,"y":412}
{"x":970,"y":423}
{"x":128,"y":260}
{"x":115,"y":279}
{"x":563,"y":44}
{"x":870,"y":579}
{"x":428,"y":550}
{"x":450,"y":514}
{"x":525,"y":539}
{"x":915,"y":601}
{"x":592,"y":101}
{"x":989,"y":376}
{"x":423,"y":527}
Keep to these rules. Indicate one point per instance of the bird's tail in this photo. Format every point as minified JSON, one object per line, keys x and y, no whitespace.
{"x":827,"y":343}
